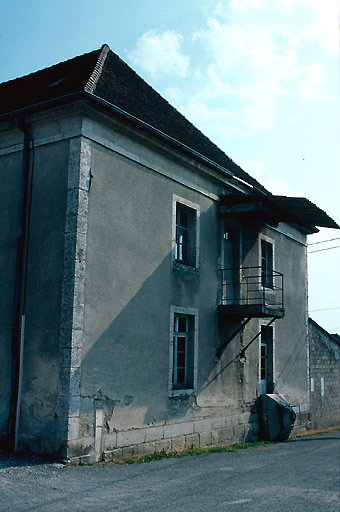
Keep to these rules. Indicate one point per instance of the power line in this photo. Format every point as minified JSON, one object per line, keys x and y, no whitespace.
{"x":328,"y":249}
{"x":324,"y":241}
{"x":324,"y":309}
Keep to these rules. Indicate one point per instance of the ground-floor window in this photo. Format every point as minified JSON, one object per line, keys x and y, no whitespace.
{"x":183,"y":350}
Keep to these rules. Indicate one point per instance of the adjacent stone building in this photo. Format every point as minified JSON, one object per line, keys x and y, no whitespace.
{"x":151,"y":290}
{"x":325,"y":376}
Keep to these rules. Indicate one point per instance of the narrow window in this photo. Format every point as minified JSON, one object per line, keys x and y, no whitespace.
{"x":266,"y":264}
{"x":185,"y":235}
{"x":183,"y":352}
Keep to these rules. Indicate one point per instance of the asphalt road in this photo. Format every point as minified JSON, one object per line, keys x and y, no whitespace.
{"x":301,"y":474}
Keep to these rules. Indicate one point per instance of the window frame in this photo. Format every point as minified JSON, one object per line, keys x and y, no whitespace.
{"x":189,"y":387}
{"x":191,"y":259}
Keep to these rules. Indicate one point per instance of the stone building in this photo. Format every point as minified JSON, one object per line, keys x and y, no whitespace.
{"x":151,"y":289}
{"x":325,"y":376}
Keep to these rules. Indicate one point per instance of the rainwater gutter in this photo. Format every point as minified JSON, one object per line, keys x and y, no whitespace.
{"x":18,"y":325}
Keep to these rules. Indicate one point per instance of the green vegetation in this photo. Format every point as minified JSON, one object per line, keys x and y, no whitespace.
{"x":194,"y":451}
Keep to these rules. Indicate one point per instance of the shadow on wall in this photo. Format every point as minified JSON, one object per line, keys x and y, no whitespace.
{"x":125,"y":372}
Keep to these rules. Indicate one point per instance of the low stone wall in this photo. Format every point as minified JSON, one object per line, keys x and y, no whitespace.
{"x":198,"y":433}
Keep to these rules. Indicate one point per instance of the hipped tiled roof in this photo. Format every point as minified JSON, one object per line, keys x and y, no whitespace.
{"x":102,"y":74}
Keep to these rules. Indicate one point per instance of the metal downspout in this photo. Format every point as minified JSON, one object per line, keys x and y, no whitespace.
{"x":18,"y":324}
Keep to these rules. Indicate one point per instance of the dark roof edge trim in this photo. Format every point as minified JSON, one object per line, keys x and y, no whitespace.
{"x":62,"y":100}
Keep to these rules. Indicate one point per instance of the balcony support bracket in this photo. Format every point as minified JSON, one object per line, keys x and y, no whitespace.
{"x":228,"y":340}
{"x":243,"y":351}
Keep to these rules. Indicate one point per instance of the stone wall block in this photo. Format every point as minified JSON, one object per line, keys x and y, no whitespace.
{"x":243,"y":418}
{"x":179,"y":429}
{"x":78,"y":317}
{"x":192,"y":441}
{"x":231,"y":420}
{"x":178,"y":444}
{"x":73,"y":427}
{"x":205,"y":439}
{"x":217,"y":423}
{"x":154,"y":434}
{"x":132,"y":451}
{"x":202,"y":425}
{"x":227,"y":435}
{"x":110,"y":455}
{"x":163,"y":445}
{"x":239,"y":433}
{"x":110,"y":441}
{"x":216,"y":437}
{"x":71,"y":358}
{"x":70,"y":339}
{"x":81,"y":226}
{"x":149,"y":448}
{"x":130,"y":437}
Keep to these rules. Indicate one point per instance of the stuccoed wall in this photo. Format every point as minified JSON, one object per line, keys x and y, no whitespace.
{"x":38,"y":413}
{"x":325,"y":375}
{"x":131,"y":284}
{"x":45,"y":273}
{"x":10,"y":172}
{"x":101,"y":284}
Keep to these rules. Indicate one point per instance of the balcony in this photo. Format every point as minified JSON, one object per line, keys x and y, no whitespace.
{"x":249,"y":292}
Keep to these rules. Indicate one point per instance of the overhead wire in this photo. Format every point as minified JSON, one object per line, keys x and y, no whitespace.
{"x":327,"y":249}
{"x":324,"y":241}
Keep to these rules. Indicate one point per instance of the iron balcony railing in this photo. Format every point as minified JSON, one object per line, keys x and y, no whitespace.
{"x":251,"y":286}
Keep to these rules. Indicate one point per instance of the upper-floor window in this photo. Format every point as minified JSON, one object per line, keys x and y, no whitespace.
{"x":266,"y":264}
{"x":186,"y":233}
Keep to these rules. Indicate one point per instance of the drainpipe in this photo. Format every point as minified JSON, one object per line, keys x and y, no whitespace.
{"x":18,"y":325}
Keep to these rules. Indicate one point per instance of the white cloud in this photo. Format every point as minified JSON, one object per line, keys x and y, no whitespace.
{"x":257,"y":168}
{"x":278,"y":185}
{"x":216,"y":122}
{"x":312,"y":82}
{"x":259,"y":53}
{"x":258,"y":59}
{"x":275,"y":184}
{"x":240,"y":5}
{"x":159,"y":53}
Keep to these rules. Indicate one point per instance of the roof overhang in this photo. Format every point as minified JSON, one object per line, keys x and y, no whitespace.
{"x":272,"y":210}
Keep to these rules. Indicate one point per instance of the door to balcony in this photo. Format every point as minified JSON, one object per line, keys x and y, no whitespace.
{"x":228,"y":264}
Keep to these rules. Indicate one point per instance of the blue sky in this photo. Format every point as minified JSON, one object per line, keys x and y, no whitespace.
{"x":259,"y":77}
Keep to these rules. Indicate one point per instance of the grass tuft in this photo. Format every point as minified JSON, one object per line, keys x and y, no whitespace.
{"x":194,"y":452}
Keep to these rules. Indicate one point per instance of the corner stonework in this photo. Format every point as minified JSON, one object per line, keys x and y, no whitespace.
{"x":72,"y":307}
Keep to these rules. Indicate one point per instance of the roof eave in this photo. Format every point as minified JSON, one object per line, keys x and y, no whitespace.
{"x":79,"y":95}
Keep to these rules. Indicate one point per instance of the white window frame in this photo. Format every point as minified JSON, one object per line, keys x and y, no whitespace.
{"x":194,"y":211}
{"x":193,"y":334}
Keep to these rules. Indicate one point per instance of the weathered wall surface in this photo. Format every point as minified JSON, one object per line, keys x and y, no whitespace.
{"x":131,"y":284}
{"x":102,"y":288}
{"x":325,"y":377}
{"x":43,"y":291}
{"x":10,"y":172}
